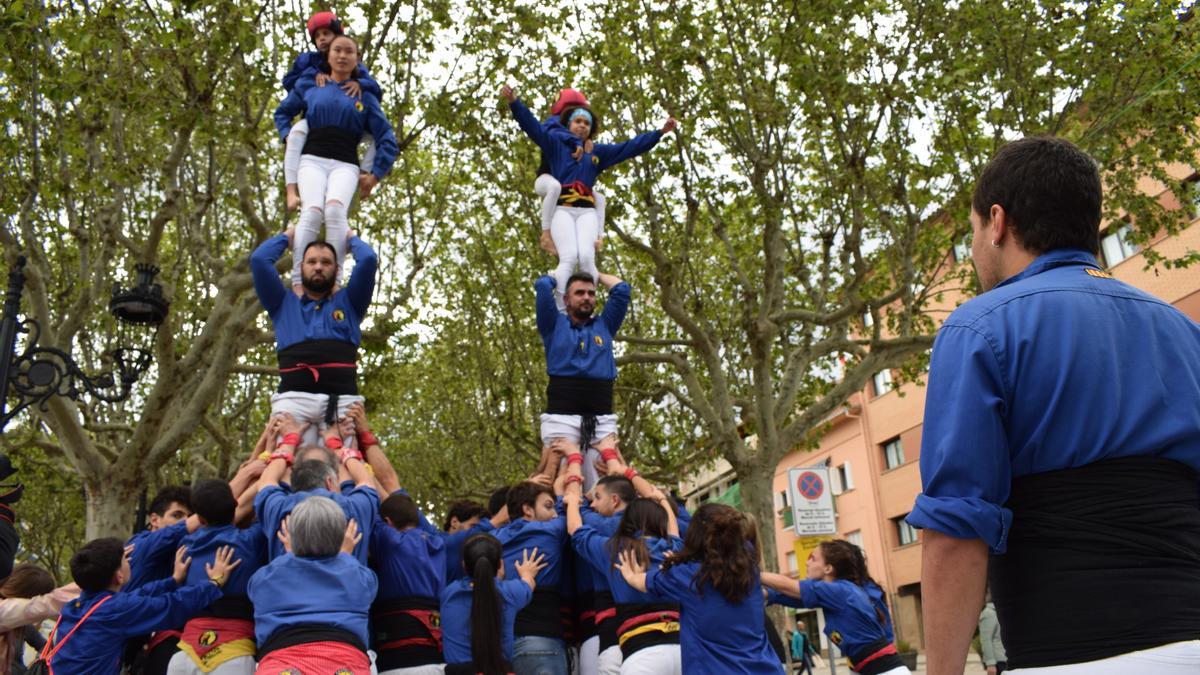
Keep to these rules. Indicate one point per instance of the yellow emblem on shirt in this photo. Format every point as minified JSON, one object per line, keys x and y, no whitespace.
{"x":1099,"y":274}
{"x":595,"y":160}
{"x":599,"y":340}
{"x":339,"y":315}
{"x":358,"y":106}
{"x":836,"y":637}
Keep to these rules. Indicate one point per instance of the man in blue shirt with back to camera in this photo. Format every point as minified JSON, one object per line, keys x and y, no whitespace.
{"x":1062,"y":437}
{"x":580,"y":363}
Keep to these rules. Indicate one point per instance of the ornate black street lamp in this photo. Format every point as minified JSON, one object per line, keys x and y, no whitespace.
{"x":38,"y":373}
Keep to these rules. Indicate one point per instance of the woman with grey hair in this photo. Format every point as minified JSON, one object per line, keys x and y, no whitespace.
{"x":311,"y":605}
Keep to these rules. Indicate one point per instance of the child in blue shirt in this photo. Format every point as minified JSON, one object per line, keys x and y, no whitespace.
{"x":323,"y":27}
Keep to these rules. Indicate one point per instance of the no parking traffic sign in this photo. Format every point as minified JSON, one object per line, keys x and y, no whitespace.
{"x":812,"y":503}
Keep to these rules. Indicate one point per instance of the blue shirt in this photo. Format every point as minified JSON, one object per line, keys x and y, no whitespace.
{"x":97,"y":646}
{"x":716,"y":637}
{"x":297,"y":320}
{"x":559,"y":144}
{"x":329,"y":106}
{"x":547,"y":536}
{"x":456,"y":617}
{"x":850,"y":619}
{"x":153,"y":556}
{"x":593,"y":546}
{"x":272,"y":504}
{"x":250,"y":546}
{"x":454,"y":545}
{"x":1057,"y":367}
{"x":335,"y":591}
{"x":584,"y":350}
{"x":409,"y":563}
{"x":308,"y":64}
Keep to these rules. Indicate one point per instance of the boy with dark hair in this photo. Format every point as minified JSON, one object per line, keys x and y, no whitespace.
{"x":537,"y":523}
{"x":463,"y":515}
{"x":101,"y":569}
{"x":220,"y":639}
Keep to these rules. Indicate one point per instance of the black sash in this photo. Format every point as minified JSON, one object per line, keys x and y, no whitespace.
{"x":230,"y":607}
{"x":403,"y":631}
{"x":645,"y":614}
{"x":332,"y":143}
{"x":541,"y":616}
{"x":579,"y":396}
{"x":1102,"y":560}
{"x":305,"y":633}
{"x":301,"y":368}
{"x":607,"y":624}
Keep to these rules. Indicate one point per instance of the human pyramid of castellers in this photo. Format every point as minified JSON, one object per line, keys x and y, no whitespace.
{"x":314,"y":560}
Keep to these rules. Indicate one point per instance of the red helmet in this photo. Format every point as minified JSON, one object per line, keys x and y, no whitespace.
{"x":323,"y":20}
{"x":568,"y":97}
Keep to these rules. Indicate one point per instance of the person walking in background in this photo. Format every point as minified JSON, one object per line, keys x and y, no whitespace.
{"x":994,"y":658}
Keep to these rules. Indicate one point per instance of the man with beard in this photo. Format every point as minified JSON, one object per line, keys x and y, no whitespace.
{"x":580,"y":363}
{"x":317,"y":333}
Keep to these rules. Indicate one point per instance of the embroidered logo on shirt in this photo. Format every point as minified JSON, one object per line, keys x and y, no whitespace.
{"x":595,"y":160}
{"x":339,"y":315}
{"x":599,"y":340}
{"x":208,"y":638}
{"x":1099,"y":274}
{"x":358,"y":106}
{"x":582,"y":345}
{"x":836,"y":637}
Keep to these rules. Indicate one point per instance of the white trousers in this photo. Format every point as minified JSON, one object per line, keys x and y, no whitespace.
{"x":306,"y":407}
{"x":182,"y":664}
{"x":568,"y":426}
{"x":589,"y":654}
{"x":609,"y":662}
{"x":1176,"y":658}
{"x":294,"y":146}
{"x":327,"y":187}
{"x":550,"y":190}
{"x":432,"y":669}
{"x":574,"y":231}
{"x":654,"y":660}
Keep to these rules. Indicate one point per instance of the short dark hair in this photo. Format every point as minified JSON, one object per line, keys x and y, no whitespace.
{"x":310,"y":475}
{"x":464,"y":510}
{"x":577,"y":277}
{"x":214,"y":501}
{"x":523,"y":494}
{"x":1049,"y":188}
{"x":401,"y":510}
{"x":619,"y":486}
{"x":498,"y":499}
{"x":323,"y":244}
{"x":181,"y":494}
{"x":94,"y":565}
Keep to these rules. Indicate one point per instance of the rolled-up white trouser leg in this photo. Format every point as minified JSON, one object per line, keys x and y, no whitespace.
{"x":292,"y":149}
{"x":550,"y":190}
{"x":307,"y":407}
{"x":653,"y":660}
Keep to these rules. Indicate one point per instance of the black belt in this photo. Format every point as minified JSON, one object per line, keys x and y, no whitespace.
{"x":541,"y":616}
{"x":1102,"y":560}
{"x":332,"y":143}
{"x":319,"y":367}
{"x":305,"y":633}
{"x":579,"y":396}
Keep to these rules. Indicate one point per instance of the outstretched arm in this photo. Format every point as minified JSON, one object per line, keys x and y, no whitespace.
{"x":362,"y":280}
{"x":267,"y":285}
{"x":611,"y":154}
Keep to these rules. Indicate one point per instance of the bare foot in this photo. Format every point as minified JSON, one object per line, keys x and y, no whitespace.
{"x":293,"y":197}
{"x":298,"y":289}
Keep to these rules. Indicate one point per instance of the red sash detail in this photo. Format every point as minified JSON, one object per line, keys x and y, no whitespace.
{"x":313,"y":368}
{"x":316,"y":657}
{"x":205,"y":634}
{"x":652,"y":617}
{"x":162,"y":636}
{"x":890,"y":649}
{"x":605,"y":614}
{"x":429,"y":618}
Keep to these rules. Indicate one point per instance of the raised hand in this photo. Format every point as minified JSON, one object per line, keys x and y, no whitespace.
{"x":351,"y":537}
{"x":530,"y":565}
{"x":508,"y":93}
{"x":669,"y":126}
{"x":218,"y":570}
{"x":283,"y":536}
{"x":182,"y":562}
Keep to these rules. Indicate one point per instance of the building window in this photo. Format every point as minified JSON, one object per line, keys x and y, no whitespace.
{"x":855,"y":538}
{"x":882,"y":381}
{"x":791,"y":562}
{"x":1116,"y":246}
{"x":893,"y":453}
{"x":845,"y":477}
{"x":907,"y":534}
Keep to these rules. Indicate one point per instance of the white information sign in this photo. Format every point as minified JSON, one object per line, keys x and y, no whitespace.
{"x":812,"y":501}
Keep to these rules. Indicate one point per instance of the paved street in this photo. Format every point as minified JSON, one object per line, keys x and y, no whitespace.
{"x":974,"y":667}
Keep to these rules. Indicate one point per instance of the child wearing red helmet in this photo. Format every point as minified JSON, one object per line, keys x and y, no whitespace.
{"x":546,"y":185}
{"x":322,"y":28}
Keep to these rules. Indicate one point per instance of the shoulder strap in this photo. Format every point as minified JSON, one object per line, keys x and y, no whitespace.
{"x":63,"y":641}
